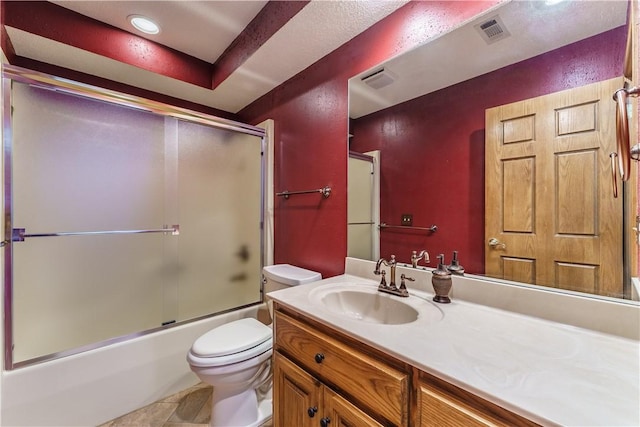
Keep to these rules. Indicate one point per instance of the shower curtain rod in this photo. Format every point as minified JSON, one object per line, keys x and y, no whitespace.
{"x":19,"y":234}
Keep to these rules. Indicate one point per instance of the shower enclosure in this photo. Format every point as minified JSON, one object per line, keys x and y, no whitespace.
{"x":122,"y":216}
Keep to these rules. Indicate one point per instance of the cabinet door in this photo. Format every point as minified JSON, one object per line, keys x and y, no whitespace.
{"x":341,"y":413}
{"x":297,"y":395}
{"x":439,"y":410}
{"x":377,"y":387}
{"x":442,"y":404}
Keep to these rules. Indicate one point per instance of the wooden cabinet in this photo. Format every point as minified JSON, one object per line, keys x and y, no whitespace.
{"x":441,"y":404}
{"x":325,"y":378}
{"x":304,"y":401}
{"x":369,"y":386}
{"x":298,"y":395}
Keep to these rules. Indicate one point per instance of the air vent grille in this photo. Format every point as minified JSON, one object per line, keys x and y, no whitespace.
{"x":492,"y":30}
{"x":379,"y":79}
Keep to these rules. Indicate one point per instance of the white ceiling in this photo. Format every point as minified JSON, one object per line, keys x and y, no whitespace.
{"x":204,"y":29}
{"x":462,"y":54}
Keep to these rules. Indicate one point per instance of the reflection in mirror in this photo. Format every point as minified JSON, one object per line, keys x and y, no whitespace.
{"x":436,"y":114}
{"x":363,"y":213}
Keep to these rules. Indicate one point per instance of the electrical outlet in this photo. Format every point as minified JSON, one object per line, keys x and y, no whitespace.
{"x":406,"y":219}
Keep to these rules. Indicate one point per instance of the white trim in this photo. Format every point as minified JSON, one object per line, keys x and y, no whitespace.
{"x":375,"y":199}
{"x":268,"y":126}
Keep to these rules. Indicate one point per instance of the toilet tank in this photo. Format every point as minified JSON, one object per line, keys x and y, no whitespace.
{"x":281,"y":276}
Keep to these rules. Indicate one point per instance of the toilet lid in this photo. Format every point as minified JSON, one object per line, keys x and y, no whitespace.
{"x":230,"y":338}
{"x":258,"y":354}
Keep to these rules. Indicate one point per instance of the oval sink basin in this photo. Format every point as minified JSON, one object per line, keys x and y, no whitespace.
{"x":370,"y":307}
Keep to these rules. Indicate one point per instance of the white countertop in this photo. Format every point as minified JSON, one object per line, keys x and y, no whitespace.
{"x":551,"y":373}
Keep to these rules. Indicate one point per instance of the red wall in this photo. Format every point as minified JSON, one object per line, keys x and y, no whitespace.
{"x":311,"y":125}
{"x":432,"y":147}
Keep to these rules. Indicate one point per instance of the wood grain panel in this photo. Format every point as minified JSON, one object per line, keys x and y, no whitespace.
{"x":297,"y":391}
{"x":518,"y":129}
{"x":370,"y":383}
{"x":518,"y":184}
{"x":444,"y":405}
{"x":343,"y":414}
{"x":586,"y":252}
{"x":576,"y":119}
{"x":519,"y":269}
{"x":577,"y":277}
{"x":574,"y":218}
{"x":577,"y":193}
{"x":439,"y":411}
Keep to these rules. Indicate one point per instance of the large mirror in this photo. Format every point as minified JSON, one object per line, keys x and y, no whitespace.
{"x":493,"y":141}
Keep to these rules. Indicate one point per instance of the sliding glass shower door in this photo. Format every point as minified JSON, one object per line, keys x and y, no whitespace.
{"x":124,"y":220}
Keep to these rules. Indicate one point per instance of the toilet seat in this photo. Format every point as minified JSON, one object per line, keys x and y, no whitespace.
{"x":232,"y":342}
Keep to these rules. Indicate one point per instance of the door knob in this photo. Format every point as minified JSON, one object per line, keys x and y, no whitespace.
{"x":497,"y":244}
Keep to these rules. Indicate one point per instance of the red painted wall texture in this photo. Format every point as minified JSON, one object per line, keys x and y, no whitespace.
{"x":432,"y":147}
{"x":311,"y":125}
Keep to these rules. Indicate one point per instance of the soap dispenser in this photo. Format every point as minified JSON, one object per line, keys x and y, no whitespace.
{"x":441,"y":280}
{"x":455,"y":267}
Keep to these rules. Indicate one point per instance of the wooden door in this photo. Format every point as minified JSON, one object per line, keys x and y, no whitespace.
{"x":341,"y":413}
{"x":297,"y":395}
{"x":548,"y":191}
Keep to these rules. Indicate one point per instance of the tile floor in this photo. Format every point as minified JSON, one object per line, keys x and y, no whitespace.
{"x":188,"y":408}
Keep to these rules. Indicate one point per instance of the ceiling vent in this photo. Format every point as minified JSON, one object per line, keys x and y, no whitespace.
{"x":379,"y":79}
{"x":493,"y":30}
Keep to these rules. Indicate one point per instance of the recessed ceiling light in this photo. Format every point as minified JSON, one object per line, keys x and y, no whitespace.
{"x":552,"y":2}
{"x":144,"y":24}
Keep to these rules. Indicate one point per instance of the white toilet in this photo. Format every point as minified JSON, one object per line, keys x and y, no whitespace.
{"x":235,"y":358}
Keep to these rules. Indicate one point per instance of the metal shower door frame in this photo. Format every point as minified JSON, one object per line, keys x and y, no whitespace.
{"x":22,"y":75}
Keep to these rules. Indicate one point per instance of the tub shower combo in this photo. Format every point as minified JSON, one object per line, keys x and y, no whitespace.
{"x":123,"y":216}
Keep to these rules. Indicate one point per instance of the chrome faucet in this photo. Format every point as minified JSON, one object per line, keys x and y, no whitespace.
{"x":391,"y":264}
{"x":415,"y":258}
{"x":391,"y":288}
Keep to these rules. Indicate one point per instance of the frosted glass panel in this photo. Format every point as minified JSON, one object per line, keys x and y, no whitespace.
{"x":83,"y":165}
{"x":219,"y":198}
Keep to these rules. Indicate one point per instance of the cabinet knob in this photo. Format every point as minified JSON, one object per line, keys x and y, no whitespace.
{"x":312,"y":411}
{"x":325,"y":422}
{"x":319,"y":357}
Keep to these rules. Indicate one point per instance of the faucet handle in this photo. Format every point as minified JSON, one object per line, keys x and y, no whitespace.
{"x":404,"y":277}
{"x":383,"y":281}
{"x":403,"y":287}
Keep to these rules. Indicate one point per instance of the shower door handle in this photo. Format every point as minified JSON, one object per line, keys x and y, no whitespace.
{"x":19,"y":234}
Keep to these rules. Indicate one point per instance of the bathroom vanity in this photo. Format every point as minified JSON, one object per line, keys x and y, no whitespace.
{"x":338,"y":363}
{"x":374,"y":389}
